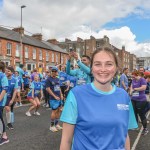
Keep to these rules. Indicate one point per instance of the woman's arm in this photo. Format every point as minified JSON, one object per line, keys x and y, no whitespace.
{"x":67,"y":136}
{"x":127,"y":144}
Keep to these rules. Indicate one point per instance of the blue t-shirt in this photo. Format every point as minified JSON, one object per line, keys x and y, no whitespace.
{"x":53,"y":84}
{"x":62,"y":78}
{"x":3,"y":86}
{"x":19,"y":80}
{"x":101,"y":119}
{"x":83,"y":74}
{"x":73,"y":81}
{"x":125,"y":79}
{"x":25,"y":78}
{"x":37,"y":86}
{"x":13,"y":84}
{"x":21,"y":71}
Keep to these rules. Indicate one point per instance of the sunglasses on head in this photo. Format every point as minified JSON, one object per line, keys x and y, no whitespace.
{"x":54,"y":71}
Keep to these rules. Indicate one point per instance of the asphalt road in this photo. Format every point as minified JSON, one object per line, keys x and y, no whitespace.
{"x":32,"y":133}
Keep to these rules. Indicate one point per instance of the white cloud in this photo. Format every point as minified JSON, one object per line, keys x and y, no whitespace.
{"x":64,"y":16}
{"x":67,"y":18}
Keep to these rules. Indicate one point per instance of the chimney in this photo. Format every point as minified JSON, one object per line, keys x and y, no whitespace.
{"x":37,"y":36}
{"x":53,"y":41}
{"x":92,"y":37}
{"x":123,"y":47}
{"x":67,"y":40}
{"x":19,"y":30}
{"x":79,"y":39}
{"x":106,"y":39}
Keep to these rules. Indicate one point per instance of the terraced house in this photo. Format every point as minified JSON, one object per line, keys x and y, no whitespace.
{"x":32,"y":51}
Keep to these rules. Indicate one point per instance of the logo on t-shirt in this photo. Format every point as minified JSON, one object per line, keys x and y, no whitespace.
{"x":122,"y":107}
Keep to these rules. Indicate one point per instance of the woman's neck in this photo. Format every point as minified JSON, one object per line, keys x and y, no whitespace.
{"x":103,"y":87}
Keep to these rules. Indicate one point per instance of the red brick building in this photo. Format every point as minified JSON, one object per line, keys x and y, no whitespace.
{"x":33,"y":52}
{"x":87,"y":46}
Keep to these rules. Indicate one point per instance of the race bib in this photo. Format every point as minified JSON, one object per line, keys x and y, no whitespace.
{"x":62,"y":78}
{"x":56,"y":88}
{"x":71,"y":85}
{"x":135,"y":93}
{"x":37,"y":91}
{"x":81,"y":82}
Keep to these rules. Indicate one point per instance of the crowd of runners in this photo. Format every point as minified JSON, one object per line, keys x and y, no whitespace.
{"x":53,"y":85}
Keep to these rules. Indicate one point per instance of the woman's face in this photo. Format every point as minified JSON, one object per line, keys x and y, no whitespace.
{"x":36,"y":77}
{"x":8,"y":72}
{"x":104,"y":67}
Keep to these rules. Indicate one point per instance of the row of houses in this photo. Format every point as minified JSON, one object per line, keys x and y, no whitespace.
{"x":87,"y":46}
{"x":17,"y":47}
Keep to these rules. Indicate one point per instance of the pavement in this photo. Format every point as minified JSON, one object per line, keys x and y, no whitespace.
{"x":32,"y":133}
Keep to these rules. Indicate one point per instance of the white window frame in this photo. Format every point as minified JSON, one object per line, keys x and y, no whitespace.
{"x":52,"y":57}
{"x":40,"y":54}
{"x":34,"y":53}
{"x":26,"y":52}
{"x":56,"y":58}
{"x":62,"y":59}
{"x":47,"y":56}
{"x":9,"y":48}
{"x":17,"y":50}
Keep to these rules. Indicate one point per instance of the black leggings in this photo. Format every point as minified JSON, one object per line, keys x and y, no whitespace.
{"x":1,"y":118}
{"x":139,"y":109}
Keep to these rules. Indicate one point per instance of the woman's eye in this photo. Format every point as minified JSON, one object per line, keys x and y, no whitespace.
{"x":109,"y":64}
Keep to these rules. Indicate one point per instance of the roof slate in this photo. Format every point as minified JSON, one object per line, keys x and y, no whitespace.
{"x":29,"y":40}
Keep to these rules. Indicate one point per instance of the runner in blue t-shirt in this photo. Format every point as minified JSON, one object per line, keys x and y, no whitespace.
{"x":34,"y":96}
{"x":98,"y":115}
{"x":11,"y":94}
{"x":20,"y":87}
{"x":55,"y":96}
{"x":3,"y":98}
{"x":72,"y":82}
{"x":63,"y":78}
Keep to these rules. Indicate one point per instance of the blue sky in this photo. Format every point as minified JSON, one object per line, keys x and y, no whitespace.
{"x":138,"y":25}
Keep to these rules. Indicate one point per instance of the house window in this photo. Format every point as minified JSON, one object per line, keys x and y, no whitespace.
{"x":40,"y":54}
{"x":17,"y":50}
{"x":47,"y":56}
{"x":34,"y":53}
{"x":9,"y":48}
{"x":28,"y":66}
{"x":52,"y":57}
{"x":57,"y":58}
{"x":26,"y":52}
{"x":62,"y":59}
{"x":98,"y":45}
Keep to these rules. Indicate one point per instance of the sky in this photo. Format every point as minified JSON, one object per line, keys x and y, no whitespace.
{"x":125,"y":22}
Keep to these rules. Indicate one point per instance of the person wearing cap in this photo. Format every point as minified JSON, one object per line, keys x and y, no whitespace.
{"x":55,"y":96}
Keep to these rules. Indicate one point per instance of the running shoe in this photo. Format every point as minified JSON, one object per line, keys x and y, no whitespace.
{"x":28,"y":114}
{"x":20,"y":104}
{"x":145,"y":131}
{"x":10,"y":126}
{"x":47,"y":106}
{"x":53,"y":129}
{"x":58,"y":127}
{"x":3,"y":141}
{"x":37,"y":113}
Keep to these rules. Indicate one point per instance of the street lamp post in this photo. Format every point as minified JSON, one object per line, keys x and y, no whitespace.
{"x":21,"y":34}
